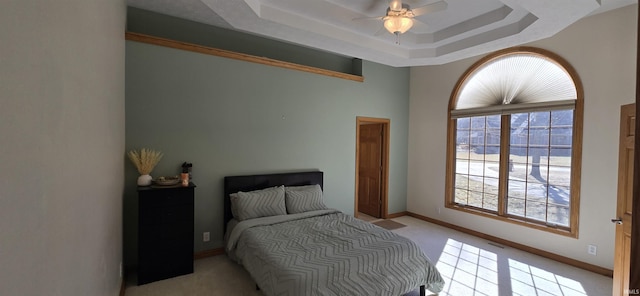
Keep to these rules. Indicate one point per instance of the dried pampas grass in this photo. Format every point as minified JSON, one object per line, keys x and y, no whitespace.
{"x":144,"y":160}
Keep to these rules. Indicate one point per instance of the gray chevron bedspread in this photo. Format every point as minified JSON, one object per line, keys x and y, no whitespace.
{"x":329,"y":253}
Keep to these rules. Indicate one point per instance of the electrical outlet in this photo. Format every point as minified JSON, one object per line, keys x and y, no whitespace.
{"x":438,"y":210}
{"x":205,"y":237}
{"x":593,"y":250}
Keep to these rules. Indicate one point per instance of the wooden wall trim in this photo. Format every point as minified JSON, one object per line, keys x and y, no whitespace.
{"x":236,"y":55}
{"x":208,"y":253}
{"x":542,"y":253}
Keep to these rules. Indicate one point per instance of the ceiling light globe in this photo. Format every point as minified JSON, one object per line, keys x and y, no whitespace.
{"x":398,"y":24}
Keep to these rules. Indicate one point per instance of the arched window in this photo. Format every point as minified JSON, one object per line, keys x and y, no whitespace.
{"x":514,"y":140}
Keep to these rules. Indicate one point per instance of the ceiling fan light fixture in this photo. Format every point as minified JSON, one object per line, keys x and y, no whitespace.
{"x":398,"y":24}
{"x":396,"y":5}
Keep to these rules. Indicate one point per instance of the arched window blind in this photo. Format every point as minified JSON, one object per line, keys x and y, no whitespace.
{"x":519,"y":82}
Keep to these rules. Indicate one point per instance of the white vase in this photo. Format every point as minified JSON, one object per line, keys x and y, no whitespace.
{"x":144,"y":180}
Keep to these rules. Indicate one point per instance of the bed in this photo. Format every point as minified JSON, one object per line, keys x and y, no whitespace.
{"x":314,"y":250}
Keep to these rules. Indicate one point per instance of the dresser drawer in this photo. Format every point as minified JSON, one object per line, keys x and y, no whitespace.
{"x":165,"y":198}
{"x":162,"y":217}
{"x":160,"y":228}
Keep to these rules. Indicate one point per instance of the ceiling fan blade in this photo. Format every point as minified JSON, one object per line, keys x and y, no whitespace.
{"x":429,"y":8}
{"x":373,"y":4}
{"x":381,"y":31}
{"x":395,"y":5}
{"x":419,"y":26}
{"x":377,"y":18}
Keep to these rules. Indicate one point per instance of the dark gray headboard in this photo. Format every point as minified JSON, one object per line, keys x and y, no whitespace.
{"x":233,"y":184}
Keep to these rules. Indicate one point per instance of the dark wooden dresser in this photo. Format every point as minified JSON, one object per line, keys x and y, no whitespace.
{"x":165,"y":232}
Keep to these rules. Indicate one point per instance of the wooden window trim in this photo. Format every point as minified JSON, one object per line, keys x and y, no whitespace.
{"x":576,"y":156}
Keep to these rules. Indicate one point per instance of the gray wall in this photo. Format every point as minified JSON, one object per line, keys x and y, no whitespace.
{"x":62,"y":146}
{"x":602,"y":49}
{"x":230,"y":117}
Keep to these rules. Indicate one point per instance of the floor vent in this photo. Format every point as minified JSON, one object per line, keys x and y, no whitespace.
{"x":496,"y":245}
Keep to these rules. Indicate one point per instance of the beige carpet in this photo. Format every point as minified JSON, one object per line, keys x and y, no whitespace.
{"x":212,"y":276}
{"x":470,"y":266}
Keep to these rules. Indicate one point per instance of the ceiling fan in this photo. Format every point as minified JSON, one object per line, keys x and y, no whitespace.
{"x":399,"y":16}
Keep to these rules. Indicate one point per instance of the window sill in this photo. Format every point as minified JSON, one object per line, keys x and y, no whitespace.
{"x":479,"y":212}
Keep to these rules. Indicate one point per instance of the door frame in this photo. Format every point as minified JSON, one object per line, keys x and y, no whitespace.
{"x":384,"y":184}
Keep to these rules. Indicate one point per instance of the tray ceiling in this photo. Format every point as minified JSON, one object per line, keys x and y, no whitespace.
{"x":466,"y":28}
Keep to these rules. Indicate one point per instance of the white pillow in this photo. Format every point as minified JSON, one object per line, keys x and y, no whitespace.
{"x":300,"y":199}
{"x":258,"y":203}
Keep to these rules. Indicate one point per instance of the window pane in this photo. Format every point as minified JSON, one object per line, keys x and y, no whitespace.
{"x":475,"y":199}
{"x":462,"y":166}
{"x":490,"y":202}
{"x":463,"y":123}
{"x":477,"y":164}
{"x":561,"y":157}
{"x":492,"y":169}
{"x":519,"y":137}
{"x":515,"y":206}
{"x":539,"y":119}
{"x":492,"y":135}
{"x":561,"y":136}
{"x":475,"y":184}
{"x":477,"y":156}
{"x":477,"y":138}
{"x":539,"y":123}
{"x":462,"y":151}
{"x":540,"y":164}
{"x":559,"y":176}
{"x":562,"y":117}
{"x":560,"y":195}
{"x":461,"y":196}
{"x":538,"y":155}
{"x":477,"y":141}
{"x":491,"y":185}
{"x":516,"y":189}
{"x":536,"y":192}
{"x":493,"y":121}
{"x":537,"y":173}
{"x":536,"y":210}
{"x":518,"y":171}
{"x":476,"y":168}
{"x":538,"y":139}
{"x":462,"y":181}
{"x":478,"y":122}
{"x":462,"y":138}
{"x":558,"y":215}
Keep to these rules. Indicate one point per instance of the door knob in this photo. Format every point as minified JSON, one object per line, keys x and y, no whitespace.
{"x":617,"y":221}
